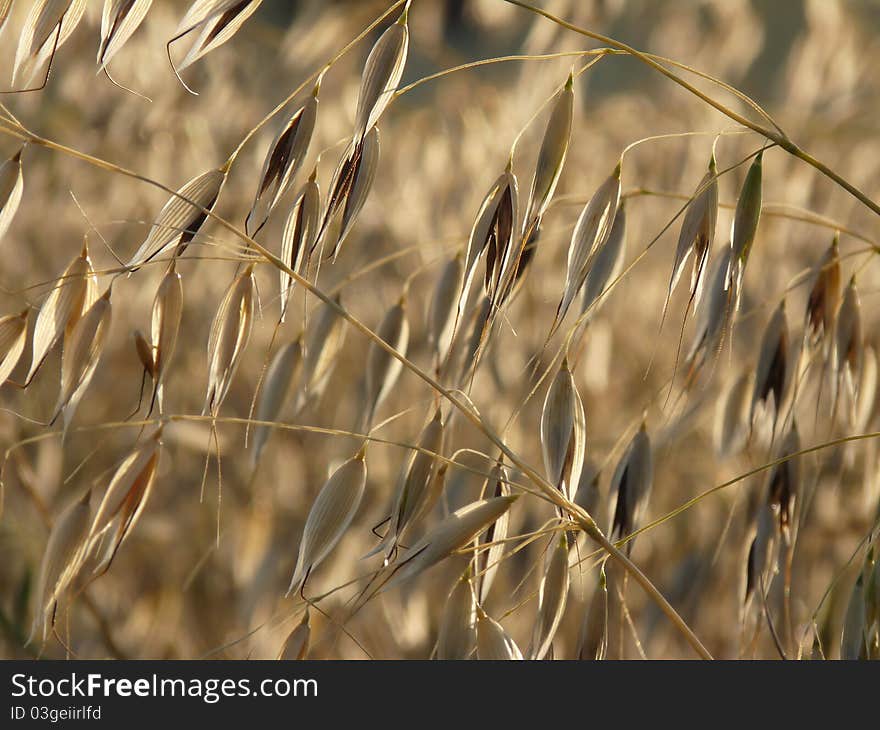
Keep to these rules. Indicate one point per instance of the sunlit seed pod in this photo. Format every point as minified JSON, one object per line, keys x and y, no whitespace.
{"x":853,"y":644}
{"x":299,"y":234}
{"x":119,"y":20}
{"x":457,"y":638}
{"x":563,"y":433}
{"x":450,"y":535}
{"x":745,"y":220}
{"x":123,"y":503}
{"x":13,"y":337}
{"x":82,"y":351}
{"x":772,"y":370}
{"x":866,"y":400}
{"x":281,"y":378}
{"x":607,"y":264}
{"x":283,"y":161}
{"x":479,"y":322}
{"x":590,"y":233}
{"x":551,"y":157}
{"x":323,"y":342}
{"x":329,"y":517}
{"x":493,"y":642}
{"x":60,"y":564}
{"x":697,"y":233}
{"x":164,"y":327}
{"x":631,"y":486}
{"x":214,"y":22}
{"x":414,"y":497}
{"x":824,"y":297}
{"x":47,"y":26}
{"x":349,"y":189}
{"x":488,"y":560}
{"x":229,"y":337}
{"x":502,"y":250}
{"x":593,"y":640}
{"x":441,"y":314}
{"x":11,"y":189}
{"x":784,"y":482}
{"x":130,"y":481}
{"x":714,"y":317}
{"x":296,"y":645}
{"x":381,"y":75}
{"x":179,"y":221}
{"x":60,"y":310}
{"x":478,"y":241}
{"x":383,"y":369}
{"x":552,"y":597}
{"x":731,"y":429}
{"x":848,"y":343}
{"x":760,"y":564}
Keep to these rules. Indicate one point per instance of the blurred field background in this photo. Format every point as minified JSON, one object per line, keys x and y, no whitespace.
{"x":173,"y":591}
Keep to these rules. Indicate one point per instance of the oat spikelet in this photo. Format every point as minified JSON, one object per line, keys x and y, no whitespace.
{"x":164,"y":328}
{"x":697,"y":234}
{"x":60,"y":310}
{"x":381,"y":75}
{"x":631,"y":486}
{"x":493,"y":642}
{"x":82,"y":351}
{"x":591,"y":231}
{"x":487,"y":561}
{"x":824,"y":297}
{"x":48,"y":25}
{"x":848,"y":346}
{"x":283,"y":161}
{"x":230,"y":333}
{"x":485,"y":227}
{"x":332,"y":512}
{"x":772,"y":372}
{"x":551,"y":156}
{"x":593,"y":641}
{"x":453,"y":533}
{"x":552,"y":597}
{"x":61,"y":562}
{"x":349,"y":189}
{"x":745,"y":221}
{"x":298,"y":237}
{"x":457,"y":638}
{"x":784,"y":482}
{"x":296,"y":645}
{"x":607,"y":265}
{"x":383,"y":369}
{"x":714,"y":317}
{"x":214,"y":22}
{"x":563,"y":433}
{"x":180,"y":221}
{"x":125,"y":498}
{"x":13,"y":336}
{"x":323,"y":343}
{"x":414,"y":497}
{"x":281,"y":376}
{"x":119,"y":20}
{"x":11,"y":189}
